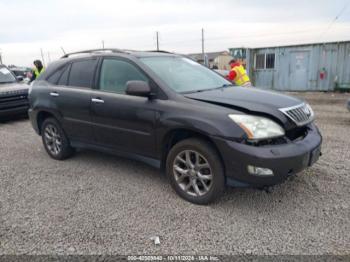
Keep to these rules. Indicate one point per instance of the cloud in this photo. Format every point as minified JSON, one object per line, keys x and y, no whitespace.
{"x":28,"y":26}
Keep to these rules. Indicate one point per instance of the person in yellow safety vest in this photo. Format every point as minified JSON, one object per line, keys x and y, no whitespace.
{"x":238,"y":74}
{"x":37,"y":70}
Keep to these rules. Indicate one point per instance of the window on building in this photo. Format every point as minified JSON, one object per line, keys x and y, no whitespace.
{"x":265,"y":61}
{"x":260,"y":61}
{"x":270,"y":61}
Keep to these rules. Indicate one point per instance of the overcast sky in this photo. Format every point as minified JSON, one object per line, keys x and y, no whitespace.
{"x":26,"y":26}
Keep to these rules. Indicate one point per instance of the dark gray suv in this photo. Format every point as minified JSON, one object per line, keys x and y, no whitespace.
{"x":176,"y":114}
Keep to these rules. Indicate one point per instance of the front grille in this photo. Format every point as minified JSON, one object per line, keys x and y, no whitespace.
{"x":297,"y":133}
{"x":13,"y":93}
{"x":13,"y":99}
{"x":301,"y":114}
{"x":268,"y":142}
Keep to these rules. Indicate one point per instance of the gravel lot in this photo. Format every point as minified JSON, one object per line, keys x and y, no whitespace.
{"x":99,"y":204}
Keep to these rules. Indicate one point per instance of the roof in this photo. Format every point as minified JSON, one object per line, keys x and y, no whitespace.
{"x":67,"y":58}
{"x":210,"y":55}
{"x":295,"y":45}
{"x":114,"y":51}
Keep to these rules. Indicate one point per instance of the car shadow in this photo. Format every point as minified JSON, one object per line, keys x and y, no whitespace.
{"x":115,"y":161}
{"x":10,"y":119}
{"x":233,"y":198}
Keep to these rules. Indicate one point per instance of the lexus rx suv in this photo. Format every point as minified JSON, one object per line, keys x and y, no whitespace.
{"x":173,"y":113}
{"x":13,"y":95}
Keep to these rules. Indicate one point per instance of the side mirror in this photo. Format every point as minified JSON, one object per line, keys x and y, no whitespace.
{"x":138,"y":88}
{"x":19,"y":78}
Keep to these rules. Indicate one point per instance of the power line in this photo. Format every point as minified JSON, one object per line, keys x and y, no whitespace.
{"x":242,"y":36}
{"x":335,"y":19}
{"x":245,"y":37}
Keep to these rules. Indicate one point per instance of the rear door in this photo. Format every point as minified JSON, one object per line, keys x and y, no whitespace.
{"x":121,"y":121}
{"x":72,"y":98}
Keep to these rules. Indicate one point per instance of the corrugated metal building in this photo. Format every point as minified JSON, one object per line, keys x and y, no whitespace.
{"x":308,"y":67}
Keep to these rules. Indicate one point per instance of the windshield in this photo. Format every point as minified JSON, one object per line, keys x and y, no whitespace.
{"x":184,"y":75}
{"x":6,"y":76}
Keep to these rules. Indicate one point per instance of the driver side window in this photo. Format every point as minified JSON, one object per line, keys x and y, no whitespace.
{"x":116,"y":73}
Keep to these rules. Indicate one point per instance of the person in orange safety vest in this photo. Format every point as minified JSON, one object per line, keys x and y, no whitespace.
{"x":238,"y":74}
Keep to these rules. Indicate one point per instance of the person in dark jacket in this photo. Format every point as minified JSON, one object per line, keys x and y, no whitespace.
{"x":37,"y":70}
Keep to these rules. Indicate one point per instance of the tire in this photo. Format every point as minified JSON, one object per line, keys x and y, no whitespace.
{"x":55,"y":141}
{"x":204,"y":163}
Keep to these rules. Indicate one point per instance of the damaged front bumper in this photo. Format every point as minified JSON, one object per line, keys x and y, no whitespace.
{"x":284,"y":160}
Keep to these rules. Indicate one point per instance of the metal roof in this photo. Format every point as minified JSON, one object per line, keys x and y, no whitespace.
{"x":295,"y":45}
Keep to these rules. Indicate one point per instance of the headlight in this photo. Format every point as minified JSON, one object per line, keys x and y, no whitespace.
{"x":257,"y":127}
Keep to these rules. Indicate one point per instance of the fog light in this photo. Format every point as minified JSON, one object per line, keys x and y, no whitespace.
{"x":259,"y":171}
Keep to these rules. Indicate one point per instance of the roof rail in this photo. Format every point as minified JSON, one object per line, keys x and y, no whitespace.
{"x":160,"y":51}
{"x":112,"y":50}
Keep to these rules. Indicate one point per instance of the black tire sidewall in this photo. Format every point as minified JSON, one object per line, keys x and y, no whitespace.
{"x":215,"y":162}
{"x":66,"y":149}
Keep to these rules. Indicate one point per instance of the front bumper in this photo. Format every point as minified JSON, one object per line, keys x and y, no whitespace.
{"x":284,"y":160}
{"x":19,"y":110}
{"x":14,"y":103}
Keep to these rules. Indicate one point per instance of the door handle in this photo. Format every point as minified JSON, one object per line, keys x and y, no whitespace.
{"x":97,"y":100}
{"x":54,"y":94}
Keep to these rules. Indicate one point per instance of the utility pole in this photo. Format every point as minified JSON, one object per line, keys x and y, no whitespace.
{"x":0,"y":57}
{"x":203,"y":55}
{"x":42,"y":56}
{"x":157,"y":36}
{"x":103,"y":44}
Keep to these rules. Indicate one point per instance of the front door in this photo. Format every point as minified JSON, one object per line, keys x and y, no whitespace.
{"x":299,"y":70}
{"x":121,"y":121}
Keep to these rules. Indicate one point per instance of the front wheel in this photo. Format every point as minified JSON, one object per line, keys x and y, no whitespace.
{"x":195,"y":171}
{"x":55,"y":140}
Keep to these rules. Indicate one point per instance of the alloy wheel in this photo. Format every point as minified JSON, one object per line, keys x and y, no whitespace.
{"x":53,"y":139}
{"x":192,"y":173}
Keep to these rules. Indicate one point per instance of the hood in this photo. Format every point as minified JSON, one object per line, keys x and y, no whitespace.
{"x":13,"y":88}
{"x":249,"y":100}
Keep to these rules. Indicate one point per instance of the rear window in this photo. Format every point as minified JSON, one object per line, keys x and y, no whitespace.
{"x":53,"y":79}
{"x":64,"y":77}
{"x":82,"y":73}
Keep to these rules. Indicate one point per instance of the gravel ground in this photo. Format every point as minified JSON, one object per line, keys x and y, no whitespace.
{"x":99,"y":204}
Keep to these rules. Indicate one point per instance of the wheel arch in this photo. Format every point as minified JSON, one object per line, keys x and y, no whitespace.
{"x":41,"y":116}
{"x":175,"y":136}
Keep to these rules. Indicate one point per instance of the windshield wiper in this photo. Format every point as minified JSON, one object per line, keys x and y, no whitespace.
{"x":226,"y":85}
{"x":209,"y":89}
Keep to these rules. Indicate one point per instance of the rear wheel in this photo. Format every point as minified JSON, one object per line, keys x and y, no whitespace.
{"x":55,"y":140}
{"x":195,"y":171}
